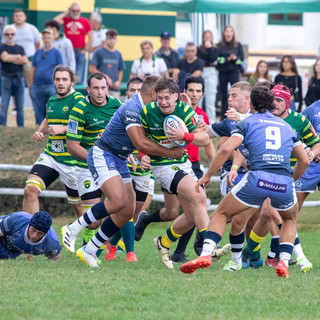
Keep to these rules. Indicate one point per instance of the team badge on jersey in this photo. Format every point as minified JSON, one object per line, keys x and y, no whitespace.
{"x":72,"y":126}
{"x":195,"y":119}
{"x":65,"y":109}
{"x":57,"y":146}
{"x":175,"y":168}
{"x":87,"y":184}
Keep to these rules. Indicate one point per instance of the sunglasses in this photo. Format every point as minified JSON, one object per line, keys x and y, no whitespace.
{"x":9,"y":34}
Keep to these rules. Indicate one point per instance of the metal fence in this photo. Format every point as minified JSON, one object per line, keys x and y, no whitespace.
{"x":62,"y":194}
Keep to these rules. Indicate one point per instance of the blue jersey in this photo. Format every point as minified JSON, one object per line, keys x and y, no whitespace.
{"x":14,"y":230}
{"x":312,"y":113}
{"x":115,"y":139}
{"x":269,"y":140}
{"x":224,"y":129}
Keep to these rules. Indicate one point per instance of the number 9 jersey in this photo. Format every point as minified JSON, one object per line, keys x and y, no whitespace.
{"x":269,"y":140}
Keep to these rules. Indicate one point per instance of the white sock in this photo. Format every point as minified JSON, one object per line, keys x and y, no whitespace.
{"x":208,"y":247}
{"x":76,"y":227}
{"x":236,"y":257}
{"x":91,"y":248}
{"x":285,"y":256}
{"x":298,"y":252}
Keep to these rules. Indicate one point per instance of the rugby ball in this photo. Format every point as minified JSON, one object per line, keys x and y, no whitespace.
{"x":175,"y":122}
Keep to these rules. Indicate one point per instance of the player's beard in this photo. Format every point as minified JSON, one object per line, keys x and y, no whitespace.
{"x":66,"y":92}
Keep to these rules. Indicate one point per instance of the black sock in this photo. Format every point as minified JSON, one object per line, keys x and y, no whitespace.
{"x":183,"y":241}
{"x":152,"y":217}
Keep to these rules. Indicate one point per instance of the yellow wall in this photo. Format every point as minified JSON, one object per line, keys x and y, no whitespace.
{"x":59,"y":5}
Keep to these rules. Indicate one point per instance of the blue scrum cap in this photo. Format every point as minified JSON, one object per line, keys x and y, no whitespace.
{"x":41,"y":221}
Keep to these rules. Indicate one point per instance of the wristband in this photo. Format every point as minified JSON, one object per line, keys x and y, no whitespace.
{"x":188,"y":137}
{"x":141,"y":154}
{"x":235,"y":167}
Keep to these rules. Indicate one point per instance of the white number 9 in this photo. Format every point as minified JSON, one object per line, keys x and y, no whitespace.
{"x":273,"y":138}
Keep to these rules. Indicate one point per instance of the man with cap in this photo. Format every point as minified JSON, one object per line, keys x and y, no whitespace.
{"x":169,"y":55}
{"x":43,"y":64}
{"x":21,"y":232}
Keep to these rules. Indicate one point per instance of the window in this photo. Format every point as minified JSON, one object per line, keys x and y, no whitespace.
{"x":291,"y":19}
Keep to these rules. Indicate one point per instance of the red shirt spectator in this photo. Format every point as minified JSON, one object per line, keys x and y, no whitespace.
{"x":76,"y":30}
{"x":192,"y":150}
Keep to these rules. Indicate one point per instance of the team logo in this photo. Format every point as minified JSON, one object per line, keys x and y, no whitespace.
{"x":175,"y":168}
{"x":65,"y":109}
{"x":40,"y":159}
{"x":87,"y":184}
{"x":73,"y":126}
{"x":298,"y":184}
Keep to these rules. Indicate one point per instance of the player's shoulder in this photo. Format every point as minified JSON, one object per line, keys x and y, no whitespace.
{"x":184,"y":107}
{"x":114,"y":101}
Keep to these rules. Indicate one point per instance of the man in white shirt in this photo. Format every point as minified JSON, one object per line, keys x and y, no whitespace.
{"x":98,"y":31}
{"x":149,"y":63}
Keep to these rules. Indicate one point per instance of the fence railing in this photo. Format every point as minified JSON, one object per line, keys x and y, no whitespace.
{"x":62,"y":194}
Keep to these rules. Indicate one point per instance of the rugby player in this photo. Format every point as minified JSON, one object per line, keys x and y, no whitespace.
{"x":107,"y":162}
{"x":194,"y":89}
{"x":87,"y":121}
{"x":263,"y":134}
{"x":175,"y":175}
{"x":21,"y":232}
{"x":55,"y":162}
{"x":308,"y":136}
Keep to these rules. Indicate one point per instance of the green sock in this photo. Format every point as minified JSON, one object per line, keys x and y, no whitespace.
{"x":203,"y":232}
{"x":115,"y":238}
{"x":128,"y":232}
{"x":253,"y":242}
{"x":87,"y":234}
{"x":256,"y":254}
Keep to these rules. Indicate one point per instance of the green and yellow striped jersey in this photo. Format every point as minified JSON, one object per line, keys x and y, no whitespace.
{"x":58,"y":110}
{"x":303,"y":127}
{"x":152,"y":121}
{"x":88,"y":121}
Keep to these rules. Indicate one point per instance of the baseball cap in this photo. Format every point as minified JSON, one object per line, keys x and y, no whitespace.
{"x":165,"y":35}
{"x":46,"y":31}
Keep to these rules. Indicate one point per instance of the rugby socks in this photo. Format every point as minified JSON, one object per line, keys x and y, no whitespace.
{"x":169,"y":238}
{"x":254,"y":245}
{"x":152,"y":217}
{"x":237,"y":243}
{"x":203,"y":232}
{"x":97,"y":212}
{"x":183,"y":241}
{"x":107,"y":230}
{"x":285,"y":251}
{"x":127,"y":232}
{"x":297,"y":249}
{"x":274,"y":247}
{"x":210,"y":242}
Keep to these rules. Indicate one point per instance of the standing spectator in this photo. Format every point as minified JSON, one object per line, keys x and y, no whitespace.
{"x":108,"y":61}
{"x":191,"y":65}
{"x":289,"y":77}
{"x":43,"y":64}
{"x":149,"y":63}
{"x":229,"y":61}
{"x":12,"y":58}
{"x":62,"y":43}
{"x":76,"y":28}
{"x":208,"y":52}
{"x":261,"y":73}
{"x":313,"y":93}
{"x":169,"y":55}
{"x":28,"y":37}
{"x":98,"y":31}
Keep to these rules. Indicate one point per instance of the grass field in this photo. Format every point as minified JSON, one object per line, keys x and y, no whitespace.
{"x":67,"y":289}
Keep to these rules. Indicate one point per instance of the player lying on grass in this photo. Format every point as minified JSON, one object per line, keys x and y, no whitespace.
{"x":21,"y":232}
{"x":269,"y":141}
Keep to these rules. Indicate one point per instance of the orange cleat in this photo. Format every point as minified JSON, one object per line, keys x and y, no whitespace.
{"x":282,"y":269}
{"x":270,"y":262}
{"x":200,"y":262}
{"x":110,"y":252}
{"x":131,"y":257}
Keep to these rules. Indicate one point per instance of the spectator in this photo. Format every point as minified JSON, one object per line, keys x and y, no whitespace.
{"x":230,"y":57}
{"x":313,"y":93}
{"x":76,"y":28}
{"x":108,"y":61}
{"x":289,"y":77}
{"x":43,"y":64}
{"x":12,"y":58}
{"x":261,"y":74}
{"x":149,"y":63}
{"x":28,"y":37}
{"x":191,"y":65}
{"x":98,"y":31}
{"x":169,"y":55}
{"x":63,"y":44}
{"x":208,"y":52}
